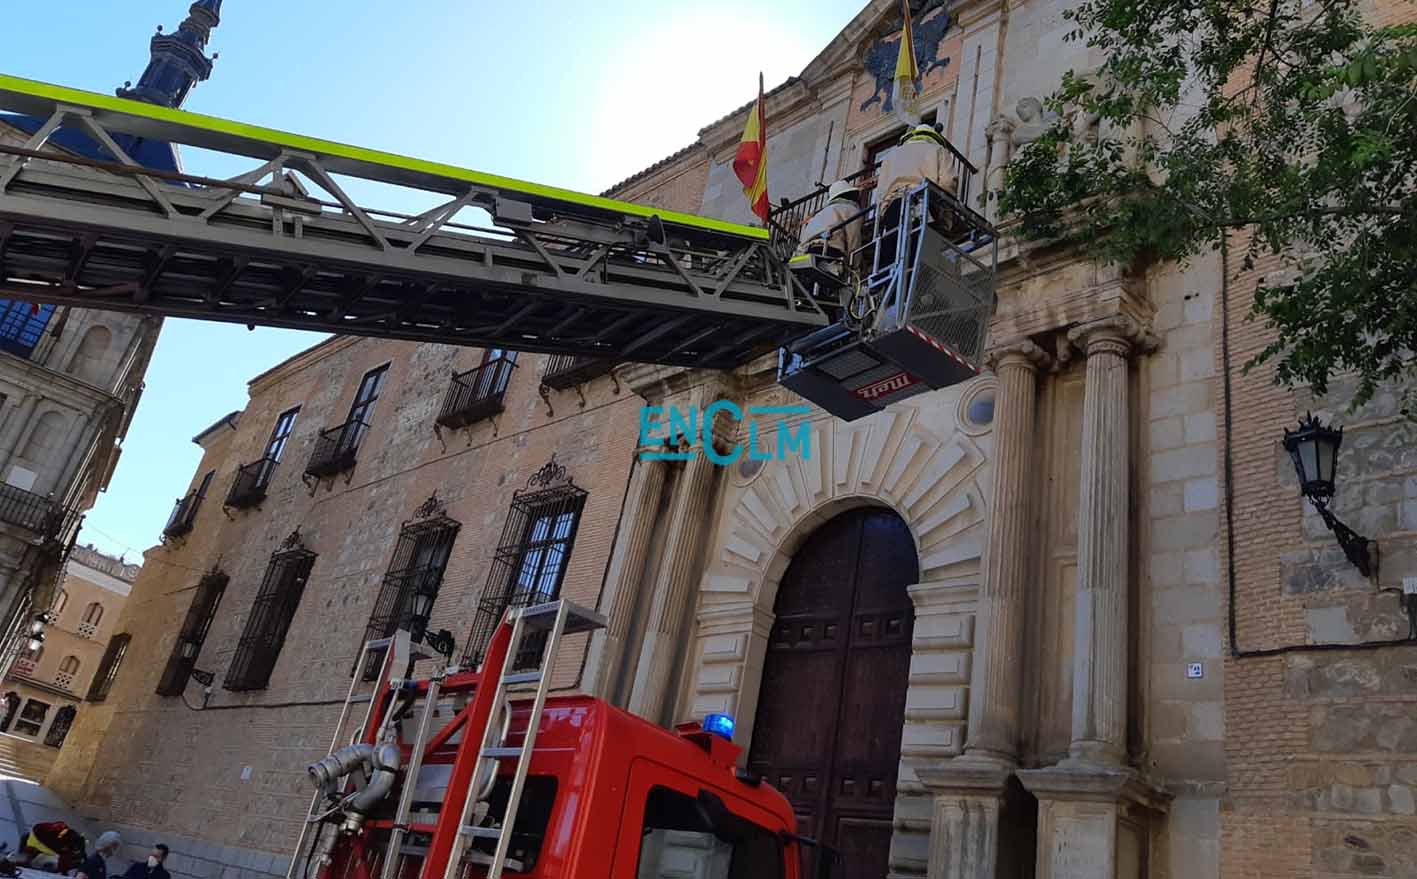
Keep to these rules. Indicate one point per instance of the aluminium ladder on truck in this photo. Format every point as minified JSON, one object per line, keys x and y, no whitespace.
{"x":492,"y":262}
{"x":306,"y":238}
{"x":455,"y":764}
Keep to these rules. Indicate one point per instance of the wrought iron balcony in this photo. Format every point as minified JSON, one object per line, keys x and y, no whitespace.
{"x":184,"y":515}
{"x":249,"y":487}
{"x":565,"y":370}
{"x":477,"y":393}
{"x":336,"y":449}
{"x":33,"y":512}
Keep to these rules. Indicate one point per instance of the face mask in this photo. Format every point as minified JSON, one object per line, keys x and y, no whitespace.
{"x":152,"y":861}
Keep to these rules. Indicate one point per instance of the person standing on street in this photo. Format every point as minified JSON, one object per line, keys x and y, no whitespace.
{"x":152,"y":868}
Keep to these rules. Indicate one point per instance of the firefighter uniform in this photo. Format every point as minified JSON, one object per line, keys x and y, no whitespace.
{"x":835,"y":230}
{"x":920,"y":156}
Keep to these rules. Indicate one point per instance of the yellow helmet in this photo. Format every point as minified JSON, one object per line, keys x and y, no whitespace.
{"x":921,"y":131}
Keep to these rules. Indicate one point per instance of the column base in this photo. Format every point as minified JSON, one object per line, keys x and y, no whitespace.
{"x":974,"y":823}
{"x":1094,"y":820}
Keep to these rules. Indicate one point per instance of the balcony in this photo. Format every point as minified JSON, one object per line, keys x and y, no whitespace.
{"x":566,"y":370}
{"x":476,"y":394}
{"x":248,"y":489}
{"x":336,"y":449}
{"x":184,"y":516}
{"x":25,"y":509}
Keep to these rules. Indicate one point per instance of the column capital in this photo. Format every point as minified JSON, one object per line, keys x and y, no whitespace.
{"x":1119,"y":335}
{"x":1020,"y":352}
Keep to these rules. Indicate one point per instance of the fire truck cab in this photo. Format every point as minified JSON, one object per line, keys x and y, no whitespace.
{"x":482,"y":774}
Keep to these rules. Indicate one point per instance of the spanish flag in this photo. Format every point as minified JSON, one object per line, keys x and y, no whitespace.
{"x":751,"y":161}
{"x":906,"y":68}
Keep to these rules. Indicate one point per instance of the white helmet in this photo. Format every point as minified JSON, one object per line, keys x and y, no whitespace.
{"x":840,"y":188}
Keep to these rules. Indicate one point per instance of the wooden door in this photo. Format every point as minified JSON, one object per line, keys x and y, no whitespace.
{"x":832,"y":704}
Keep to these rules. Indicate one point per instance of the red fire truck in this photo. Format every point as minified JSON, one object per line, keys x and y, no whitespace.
{"x":471,"y":774}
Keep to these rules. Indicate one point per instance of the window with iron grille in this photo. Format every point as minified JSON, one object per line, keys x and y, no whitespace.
{"x":531,"y":558}
{"x":108,"y":667}
{"x":415,"y":574}
{"x":22,"y":325}
{"x":274,"y":608}
{"x":193,"y":634}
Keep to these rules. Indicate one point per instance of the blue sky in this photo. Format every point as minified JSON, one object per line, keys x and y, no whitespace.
{"x":570,"y":93}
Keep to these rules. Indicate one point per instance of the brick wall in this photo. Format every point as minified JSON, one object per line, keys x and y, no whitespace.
{"x":233,"y":774}
{"x":1321,"y":746}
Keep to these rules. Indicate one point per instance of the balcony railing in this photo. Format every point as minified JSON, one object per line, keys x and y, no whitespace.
{"x":33,"y":512}
{"x":565,"y":370}
{"x":477,"y":393}
{"x":336,"y":449}
{"x":249,"y":487}
{"x":184,"y":515}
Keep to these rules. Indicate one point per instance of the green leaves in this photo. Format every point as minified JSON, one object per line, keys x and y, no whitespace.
{"x":1296,"y":125}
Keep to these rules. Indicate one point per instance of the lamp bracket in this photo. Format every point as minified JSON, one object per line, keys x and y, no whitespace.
{"x":1355,"y":546}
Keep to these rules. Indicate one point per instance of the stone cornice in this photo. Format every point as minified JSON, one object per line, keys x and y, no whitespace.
{"x":1078,"y":780}
{"x":966,"y":776}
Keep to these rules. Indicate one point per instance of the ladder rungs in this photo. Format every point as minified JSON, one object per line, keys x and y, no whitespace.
{"x":482,"y":832}
{"x":499,"y":753}
{"x":523,"y":677}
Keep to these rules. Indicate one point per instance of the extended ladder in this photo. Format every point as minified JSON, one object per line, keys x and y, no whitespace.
{"x":556,"y":619}
{"x":295,"y":242}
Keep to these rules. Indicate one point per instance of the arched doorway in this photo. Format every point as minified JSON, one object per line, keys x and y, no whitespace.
{"x":832,"y":703}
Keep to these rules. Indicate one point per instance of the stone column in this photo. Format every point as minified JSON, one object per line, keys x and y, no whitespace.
{"x":642,"y":512}
{"x":12,"y":425}
{"x":1100,"y":641}
{"x":664,"y":648}
{"x":996,"y":684}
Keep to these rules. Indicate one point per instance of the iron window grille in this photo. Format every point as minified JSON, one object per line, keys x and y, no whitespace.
{"x":531,"y":557}
{"x":414,"y":577}
{"x":184,"y":512}
{"x":25,"y":509}
{"x":565,"y":370}
{"x":108,"y":667}
{"x":276,"y":602}
{"x":22,"y":326}
{"x":479,"y":392}
{"x":248,"y":489}
{"x":193,"y":634}
{"x":337,"y":447}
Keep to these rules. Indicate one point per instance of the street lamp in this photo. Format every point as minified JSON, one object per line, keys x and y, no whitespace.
{"x":41,"y":620}
{"x":1314,"y":450}
{"x":425,"y":592}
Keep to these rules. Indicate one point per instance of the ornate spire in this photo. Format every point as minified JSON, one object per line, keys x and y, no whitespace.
{"x":179,"y":60}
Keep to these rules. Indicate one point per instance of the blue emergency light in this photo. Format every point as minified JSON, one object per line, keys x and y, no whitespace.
{"x":719,"y":725}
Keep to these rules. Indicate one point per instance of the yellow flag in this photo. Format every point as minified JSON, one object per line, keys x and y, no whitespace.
{"x":906,"y":68}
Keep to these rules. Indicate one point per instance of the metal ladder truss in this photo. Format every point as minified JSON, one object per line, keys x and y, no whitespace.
{"x":557,"y":619}
{"x":495,"y":263}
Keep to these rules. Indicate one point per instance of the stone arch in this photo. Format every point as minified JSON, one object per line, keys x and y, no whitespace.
{"x":91,"y":354}
{"x":915,"y":461}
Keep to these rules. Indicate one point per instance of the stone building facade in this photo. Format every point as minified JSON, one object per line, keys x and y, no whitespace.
{"x":1070,"y":619}
{"x":70,"y":379}
{"x":50,"y":683}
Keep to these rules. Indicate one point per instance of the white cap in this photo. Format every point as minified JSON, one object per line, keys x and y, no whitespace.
{"x":840,"y":188}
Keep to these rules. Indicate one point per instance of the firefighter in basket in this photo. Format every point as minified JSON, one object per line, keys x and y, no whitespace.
{"x":923,"y":154}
